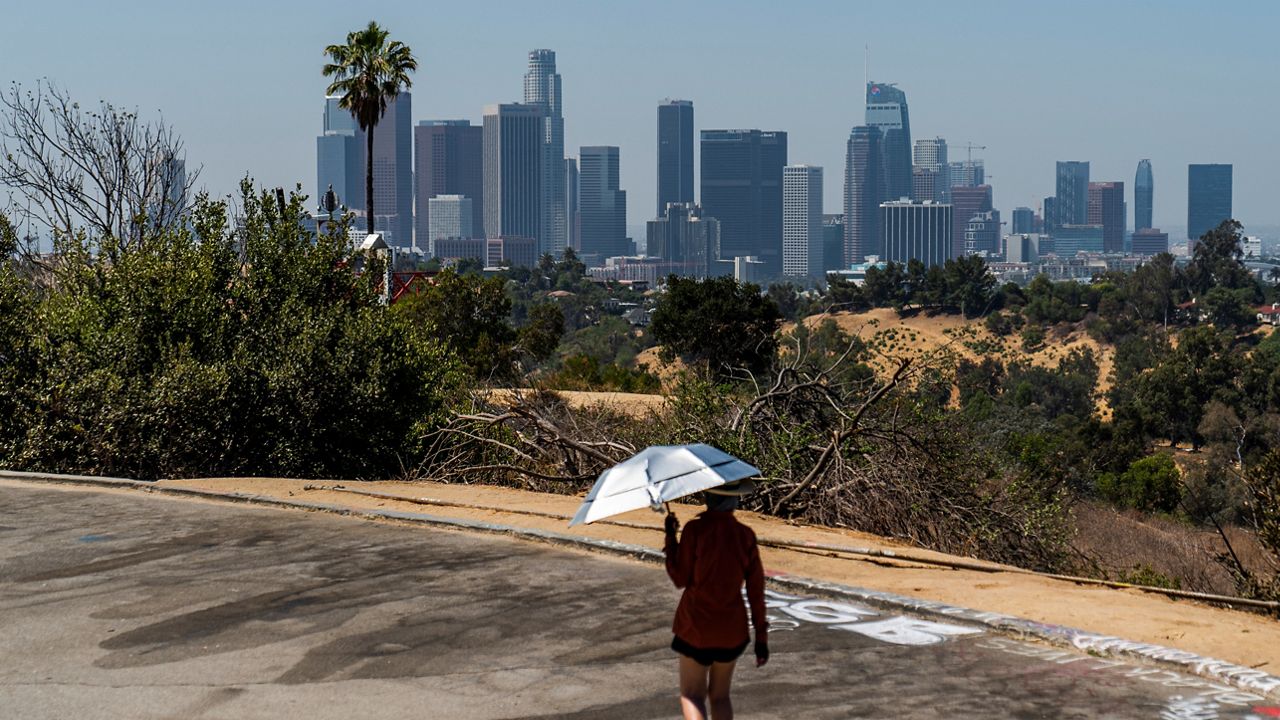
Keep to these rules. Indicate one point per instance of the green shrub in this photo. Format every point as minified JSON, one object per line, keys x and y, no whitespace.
{"x":1152,"y":484}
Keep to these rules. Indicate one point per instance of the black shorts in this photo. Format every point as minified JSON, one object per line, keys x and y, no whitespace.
{"x":706,"y":656}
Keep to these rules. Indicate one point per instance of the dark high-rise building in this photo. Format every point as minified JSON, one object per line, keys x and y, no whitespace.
{"x":675,"y":153}
{"x":572,"y":216}
{"x":1072,"y":197}
{"x":542,"y":88}
{"x":887,"y":110}
{"x":448,"y":160}
{"x":832,"y":242}
{"x":602,"y":204}
{"x":966,"y":203}
{"x":916,"y":231}
{"x":1143,"y":192}
{"x":1024,"y":220}
{"x":742,"y":188}
{"x":1048,"y":214}
{"x":1208,"y":199}
{"x":393,"y":173}
{"x":926,"y":184}
{"x":1106,"y":208}
{"x":1150,"y":241}
{"x":513,"y":153}
{"x":864,"y":190}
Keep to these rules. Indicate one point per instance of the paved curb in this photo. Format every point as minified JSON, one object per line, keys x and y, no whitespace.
{"x":1238,"y":676}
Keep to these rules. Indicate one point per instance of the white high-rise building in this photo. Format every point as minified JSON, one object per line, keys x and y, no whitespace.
{"x":930,"y":156}
{"x":542,"y":89}
{"x":450,"y":217}
{"x":802,"y":221}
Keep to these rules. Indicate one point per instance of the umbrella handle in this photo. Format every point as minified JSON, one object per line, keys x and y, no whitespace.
{"x":667,"y":505}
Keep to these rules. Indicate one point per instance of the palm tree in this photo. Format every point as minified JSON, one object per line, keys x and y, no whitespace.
{"x":367,"y":72}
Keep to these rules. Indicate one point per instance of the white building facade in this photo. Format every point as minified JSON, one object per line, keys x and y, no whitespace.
{"x":802,"y":221}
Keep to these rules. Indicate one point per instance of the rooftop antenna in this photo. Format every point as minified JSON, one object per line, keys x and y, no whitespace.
{"x":866,"y":67}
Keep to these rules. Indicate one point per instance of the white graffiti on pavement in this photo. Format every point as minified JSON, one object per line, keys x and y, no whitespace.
{"x":896,"y":630}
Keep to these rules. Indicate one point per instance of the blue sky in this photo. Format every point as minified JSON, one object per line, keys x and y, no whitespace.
{"x":1109,"y":82}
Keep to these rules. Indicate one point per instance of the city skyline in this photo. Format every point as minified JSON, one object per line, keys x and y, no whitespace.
{"x":1097,"y":117}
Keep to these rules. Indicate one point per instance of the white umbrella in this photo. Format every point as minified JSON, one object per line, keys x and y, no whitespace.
{"x":659,"y":474}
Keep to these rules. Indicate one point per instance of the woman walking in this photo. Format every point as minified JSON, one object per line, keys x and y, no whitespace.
{"x":714,"y":556}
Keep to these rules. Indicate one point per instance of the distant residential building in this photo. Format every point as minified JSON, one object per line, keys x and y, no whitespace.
{"x":887,"y":110}
{"x":686,"y":239}
{"x":675,"y":153}
{"x":1024,"y":220}
{"x":1071,"y":239}
{"x":832,"y":242}
{"x":1072,"y":198}
{"x":864,"y":190}
{"x":966,"y":203}
{"x":543,"y":89}
{"x":1208,"y":199}
{"x":802,"y":221}
{"x":1251,"y":247}
{"x":742,"y":188}
{"x":1143,"y":194}
{"x":982,"y":234}
{"x":602,"y":204}
{"x":513,"y":170}
{"x":1149,"y":241}
{"x":448,"y":160}
{"x":916,"y":231}
{"x":1106,"y":208}
{"x":451,"y":217}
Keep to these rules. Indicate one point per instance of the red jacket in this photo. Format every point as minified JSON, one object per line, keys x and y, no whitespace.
{"x":716,"y":553}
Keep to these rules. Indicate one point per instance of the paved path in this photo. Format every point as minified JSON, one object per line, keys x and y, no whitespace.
{"x":133,"y":606}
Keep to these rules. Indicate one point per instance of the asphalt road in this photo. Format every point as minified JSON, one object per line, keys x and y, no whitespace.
{"x":116,"y":605}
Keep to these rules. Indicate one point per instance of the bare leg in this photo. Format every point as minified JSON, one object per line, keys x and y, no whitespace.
{"x":721,"y":680}
{"x":693,"y":689}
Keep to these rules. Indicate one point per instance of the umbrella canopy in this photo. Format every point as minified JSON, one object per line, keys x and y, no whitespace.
{"x":659,"y":474}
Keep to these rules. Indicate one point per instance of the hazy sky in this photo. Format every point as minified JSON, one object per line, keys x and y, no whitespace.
{"x":1106,"y":81}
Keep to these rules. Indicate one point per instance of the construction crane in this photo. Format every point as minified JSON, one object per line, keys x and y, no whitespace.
{"x":971,"y":147}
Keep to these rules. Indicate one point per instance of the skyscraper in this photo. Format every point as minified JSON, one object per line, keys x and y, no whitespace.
{"x":832,"y":242}
{"x":967,"y":173}
{"x":513,"y":152}
{"x":686,"y":239}
{"x":448,"y":160}
{"x":572,"y":216}
{"x":1150,"y":241}
{"x":1143,"y":192}
{"x":864,"y":190}
{"x":602,"y":204}
{"x":1024,"y":220}
{"x":916,"y":231}
{"x":393,"y":173}
{"x":450,"y":218}
{"x":542,"y":89}
{"x":1106,"y":208}
{"x":887,"y":110}
{"x":802,"y":221}
{"x":1208,"y":199}
{"x":340,"y":151}
{"x":675,"y":153}
{"x":742,"y":188}
{"x":966,"y":203}
{"x":1072,"y":202}
{"x":932,"y":172}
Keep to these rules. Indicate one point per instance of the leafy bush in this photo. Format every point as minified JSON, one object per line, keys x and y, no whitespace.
{"x":207,"y":351}
{"x":1152,"y":484}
